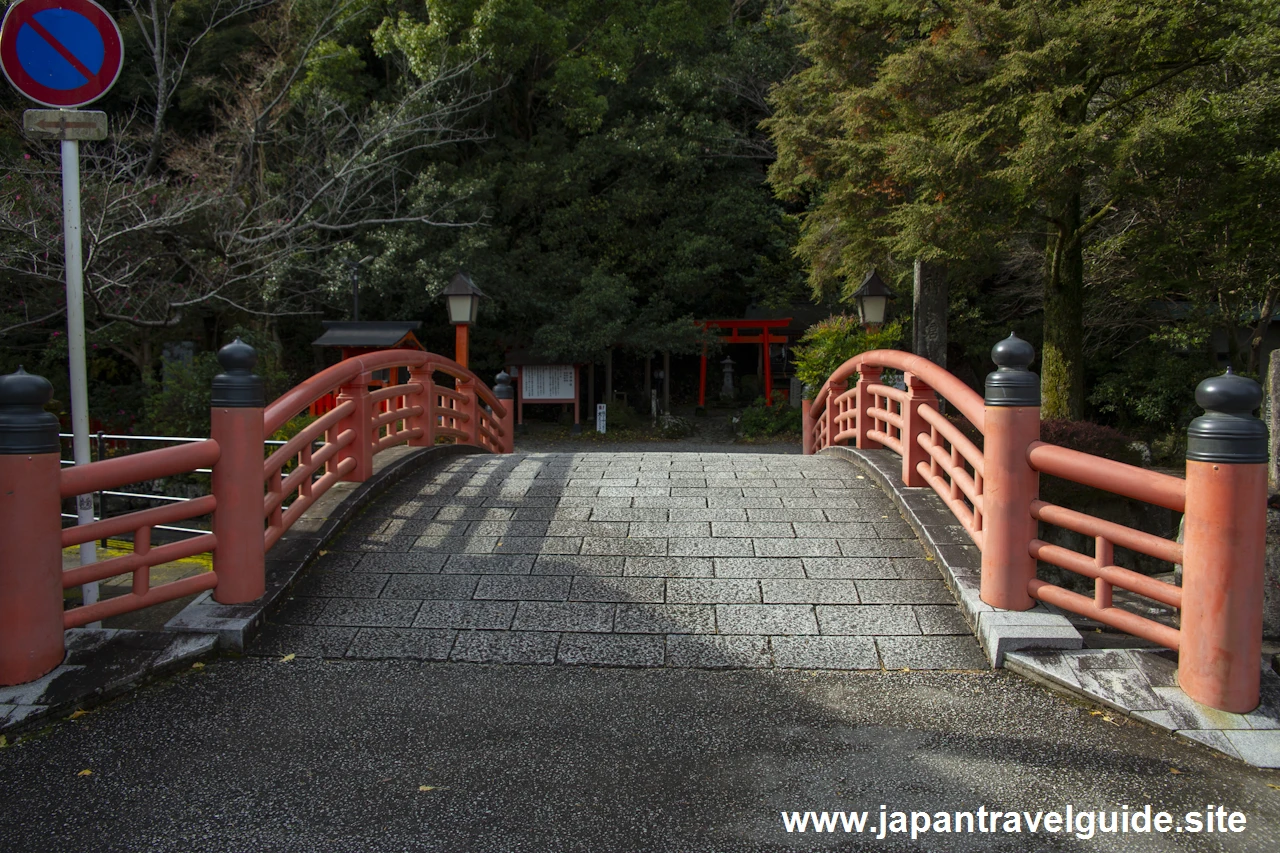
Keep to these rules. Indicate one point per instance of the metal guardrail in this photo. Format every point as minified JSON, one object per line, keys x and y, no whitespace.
{"x":99,"y":448}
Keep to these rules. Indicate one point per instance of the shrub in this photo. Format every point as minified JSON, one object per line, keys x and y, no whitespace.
{"x":761,"y":421}
{"x":830,"y":343}
{"x":1090,"y":438}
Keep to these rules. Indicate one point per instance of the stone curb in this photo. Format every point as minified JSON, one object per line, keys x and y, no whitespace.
{"x":998,"y":631}
{"x":237,"y":624}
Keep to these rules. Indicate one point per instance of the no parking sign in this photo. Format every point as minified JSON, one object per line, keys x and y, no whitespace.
{"x":60,"y":53}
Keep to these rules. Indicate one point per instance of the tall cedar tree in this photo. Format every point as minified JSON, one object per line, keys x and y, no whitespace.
{"x":939,"y":130}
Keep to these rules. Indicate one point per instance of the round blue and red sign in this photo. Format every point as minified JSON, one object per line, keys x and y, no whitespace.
{"x":60,"y":53}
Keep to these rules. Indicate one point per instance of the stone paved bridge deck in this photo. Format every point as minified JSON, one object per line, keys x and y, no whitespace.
{"x":630,"y":559}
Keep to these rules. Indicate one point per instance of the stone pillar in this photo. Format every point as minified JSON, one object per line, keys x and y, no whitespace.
{"x":930,"y":306}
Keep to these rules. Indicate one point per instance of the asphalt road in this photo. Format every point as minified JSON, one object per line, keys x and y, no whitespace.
{"x":311,"y":755}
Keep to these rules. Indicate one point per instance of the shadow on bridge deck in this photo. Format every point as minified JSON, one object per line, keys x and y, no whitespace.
{"x":630,"y":559}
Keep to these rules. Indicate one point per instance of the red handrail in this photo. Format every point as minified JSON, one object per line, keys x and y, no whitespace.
{"x":967,"y":401}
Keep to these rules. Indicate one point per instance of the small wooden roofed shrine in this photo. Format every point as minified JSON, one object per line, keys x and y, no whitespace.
{"x":357,"y":337}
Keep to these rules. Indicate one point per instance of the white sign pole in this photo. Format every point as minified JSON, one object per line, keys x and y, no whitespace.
{"x":75,"y":343}
{"x":600,"y":417}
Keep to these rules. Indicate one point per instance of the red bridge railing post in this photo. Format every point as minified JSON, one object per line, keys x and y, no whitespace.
{"x":236,"y":424}
{"x":503,"y":390}
{"x":468,"y":410}
{"x":422,"y":374}
{"x":1224,"y":547}
{"x":31,"y":528}
{"x":832,"y":409}
{"x":918,"y":394}
{"x":806,"y":421}
{"x":868,"y":375}
{"x":1012,"y":422}
{"x":360,"y":422}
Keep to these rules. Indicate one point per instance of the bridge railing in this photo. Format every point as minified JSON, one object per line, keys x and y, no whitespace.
{"x":253,"y":499}
{"x":993,"y":492}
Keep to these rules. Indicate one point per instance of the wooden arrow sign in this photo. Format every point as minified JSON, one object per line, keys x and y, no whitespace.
{"x":65,"y":124}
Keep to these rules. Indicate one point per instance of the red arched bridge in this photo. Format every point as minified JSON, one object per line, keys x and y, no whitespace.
{"x":684,"y":538}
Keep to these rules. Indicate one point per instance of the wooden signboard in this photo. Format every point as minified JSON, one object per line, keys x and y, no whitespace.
{"x":547,"y":383}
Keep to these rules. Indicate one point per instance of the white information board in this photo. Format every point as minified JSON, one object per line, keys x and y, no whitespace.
{"x":600,"y":417}
{"x":548,"y":382}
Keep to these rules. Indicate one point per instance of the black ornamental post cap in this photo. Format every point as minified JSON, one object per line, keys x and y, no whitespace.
{"x":502,"y":387}
{"x":25,"y":427}
{"x":1012,"y":384}
{"x":238,"y":387}
{"x":1227,"y":431}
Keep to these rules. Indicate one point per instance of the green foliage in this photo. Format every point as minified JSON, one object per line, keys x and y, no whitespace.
{"x":1019,"y":135}
{"x":177,"y":403}
{"x":761,"y":421}
{"x":830,"y":343}
{"x":1152,"y":390}
{"x":623,"y":184}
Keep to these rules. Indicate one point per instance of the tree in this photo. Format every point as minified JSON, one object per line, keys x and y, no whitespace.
{"x":246,"y":216}
{"x":624,"y":181}
{"x":940,"y":131}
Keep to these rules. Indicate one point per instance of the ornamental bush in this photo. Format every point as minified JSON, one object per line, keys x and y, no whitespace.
{"x":830,"y":343}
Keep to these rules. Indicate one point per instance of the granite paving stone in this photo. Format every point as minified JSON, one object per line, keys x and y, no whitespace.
{"x":563,"y":616}
{"x":553,"y":564}
{"x":752,"y":529}
{"x":629,"y":513}
{"x":758,"y":567}
{"x":825,"y":652}
{"x":881,"y":548}
{"x":300,"y":610}
{"x":941,"y":619}
{"x":504,"y":529}
{"x":868,"y":619}
{"x":931,"y":653}
{"x":538,"y":545}
{"x":796,"y":547}
{"x":665,"y":619}
{"x":904,"y":592}
{"x":617,"y":589}
{"x":494,"y":615}
{"x":792,"y":591}
{"x":523,"y":588}
{"x":455,"y":544}
{"x":696,"y":650}
{"x":711,"y":547}
{"x":669,"y":567}
{"x":428,"y":587}
{"x":505,"y":647}
{"x":341,"y":584}
{"x":712,"y":591}
{"x":618,"y":547}
{"x":766,"y":619}
{"x":401,"y":643}
{"x":304,"y":641}
{"x":633,"y":559}
{"x":594,"y":529}
{"x":612,"y":650}
{"x":641,"y":529}
{"x":369,"y":612}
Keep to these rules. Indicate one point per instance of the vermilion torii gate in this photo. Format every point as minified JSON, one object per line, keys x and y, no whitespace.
{"x":735,"y":336}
